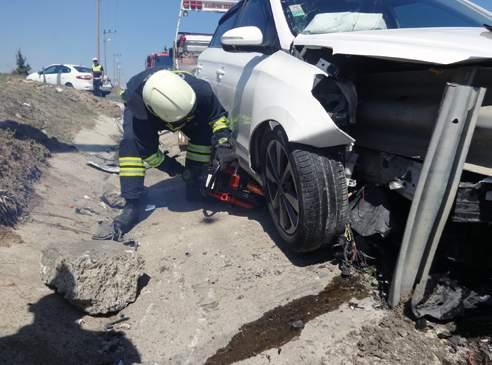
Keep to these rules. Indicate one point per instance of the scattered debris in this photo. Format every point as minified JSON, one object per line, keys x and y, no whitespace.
{"x":353,"y":306}
{"x":370,"y":212}
{"x":97,"y":276}
{"x":86,"y":211}
{"x":112,"y":168}
{"x":104,"y":231}
{"x":448,"y":300}
{"x":296,"y":325}
{"x":395,"y":341}
{"x":113,"y":199}
{"x":111,"y":326}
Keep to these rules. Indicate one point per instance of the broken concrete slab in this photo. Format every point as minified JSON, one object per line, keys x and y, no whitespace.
{"x":99,"y":277}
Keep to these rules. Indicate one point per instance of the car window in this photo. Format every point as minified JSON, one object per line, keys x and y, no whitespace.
{"x":259,"y":14}
{"x":320,"y":16}
{"x":64,"y":69}
{"x":227,"y":22}
{"x":51,"y":70}
{"x":82,"y":69}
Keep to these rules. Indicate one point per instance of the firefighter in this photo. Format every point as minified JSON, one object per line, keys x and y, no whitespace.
{"x":97,"y":76}
{"x":157,"y":100}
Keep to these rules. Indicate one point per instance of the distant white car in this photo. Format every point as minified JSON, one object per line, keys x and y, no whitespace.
{"x":78,"y":77}
{"x":311,"y":86}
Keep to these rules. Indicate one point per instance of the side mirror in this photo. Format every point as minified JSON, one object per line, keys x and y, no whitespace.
{"x":242,"y":39}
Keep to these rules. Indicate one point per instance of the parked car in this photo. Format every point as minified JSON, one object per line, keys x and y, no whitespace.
{"x":315,"y":87}
{"x":78,"y":77}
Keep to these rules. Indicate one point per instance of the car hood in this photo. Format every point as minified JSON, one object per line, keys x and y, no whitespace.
{"x":427,"y":45}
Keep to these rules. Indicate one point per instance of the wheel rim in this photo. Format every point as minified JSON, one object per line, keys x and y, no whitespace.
{"x":281,"y":188}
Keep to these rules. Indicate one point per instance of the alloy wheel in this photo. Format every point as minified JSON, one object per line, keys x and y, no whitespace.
{"x":281,"y":188}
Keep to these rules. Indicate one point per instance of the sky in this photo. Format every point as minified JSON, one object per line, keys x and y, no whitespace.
{"x":63,"y":31}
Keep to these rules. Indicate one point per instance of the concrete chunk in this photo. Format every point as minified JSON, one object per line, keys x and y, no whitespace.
{"x":97,"y":276}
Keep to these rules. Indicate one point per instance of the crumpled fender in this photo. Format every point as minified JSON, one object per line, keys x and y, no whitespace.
{"x":286,"y":98}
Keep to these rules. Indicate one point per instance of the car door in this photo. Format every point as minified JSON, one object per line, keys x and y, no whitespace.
{"x":239,"y":81}
{"x":211,"y":62}
{"x":49,"y":74}
{"x":66,"y":75}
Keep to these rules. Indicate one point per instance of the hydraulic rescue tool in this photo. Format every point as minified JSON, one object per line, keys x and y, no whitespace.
{"x":229,"y":184}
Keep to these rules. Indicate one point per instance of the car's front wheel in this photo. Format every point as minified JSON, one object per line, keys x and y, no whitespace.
{"x":306,"y":192}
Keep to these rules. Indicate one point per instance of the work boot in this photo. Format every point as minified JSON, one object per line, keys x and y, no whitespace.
{"x":127,"y":219}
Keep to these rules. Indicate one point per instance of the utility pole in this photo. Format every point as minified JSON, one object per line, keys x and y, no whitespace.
{"x":106,"y":39}
{"x":98,"y":29}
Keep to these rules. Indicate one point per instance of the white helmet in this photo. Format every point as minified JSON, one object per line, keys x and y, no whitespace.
{"x":94,"y":59}
{"x":168,"y":96}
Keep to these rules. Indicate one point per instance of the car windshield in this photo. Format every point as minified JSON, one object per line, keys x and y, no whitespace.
{"x":321,"y":16}
{"x":83,"y":69}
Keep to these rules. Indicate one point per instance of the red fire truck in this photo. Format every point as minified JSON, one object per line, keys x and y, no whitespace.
{"x":188,"y":45}
{"x":159,"y":59}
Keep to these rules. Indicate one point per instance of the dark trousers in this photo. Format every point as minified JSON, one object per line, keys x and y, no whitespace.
{"x":97,"y":83}
{"x":140,"y":140}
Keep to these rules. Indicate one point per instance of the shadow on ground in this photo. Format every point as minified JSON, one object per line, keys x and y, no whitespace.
{"x":27,"y":132}
{"x":55,"y":338}
{"x":170,"y":194}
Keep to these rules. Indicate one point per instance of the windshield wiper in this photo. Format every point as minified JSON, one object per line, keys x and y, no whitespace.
{"x":488,"y":27}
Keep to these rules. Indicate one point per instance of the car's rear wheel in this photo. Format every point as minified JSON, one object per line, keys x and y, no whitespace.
{"x":306,"y":192}
{"x":69,"y":84}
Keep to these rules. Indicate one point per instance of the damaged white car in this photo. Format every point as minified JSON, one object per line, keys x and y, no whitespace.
{"x":318,"y":90}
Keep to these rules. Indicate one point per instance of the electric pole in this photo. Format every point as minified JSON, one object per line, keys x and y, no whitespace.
{"x":98,"y":30}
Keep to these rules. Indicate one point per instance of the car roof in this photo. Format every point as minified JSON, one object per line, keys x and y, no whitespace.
{"x":66,"y":64}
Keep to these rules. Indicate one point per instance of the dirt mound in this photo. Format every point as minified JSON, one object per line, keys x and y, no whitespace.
{"x":396,"y":341}
{"x":57,"y":111}
{"x":21,"y":162}
{"x":35,"y":119}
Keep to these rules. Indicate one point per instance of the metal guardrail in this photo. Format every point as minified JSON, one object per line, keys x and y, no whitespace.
{"x":436,"y":190}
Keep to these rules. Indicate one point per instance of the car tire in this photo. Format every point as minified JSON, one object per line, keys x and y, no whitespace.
{"x":68,"y":84}
{"x":310,"y":208}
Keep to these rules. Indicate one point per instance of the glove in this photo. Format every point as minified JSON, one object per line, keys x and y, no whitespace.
{"x":224,"y":147}
{"x":224,"y":154}
{"x":171,"y":166}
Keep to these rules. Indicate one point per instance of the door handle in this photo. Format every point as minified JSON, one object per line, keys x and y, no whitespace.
{"x":220,"y":72}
